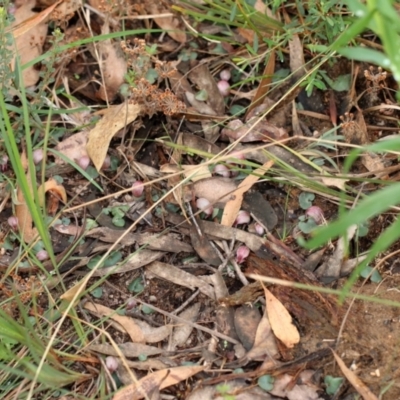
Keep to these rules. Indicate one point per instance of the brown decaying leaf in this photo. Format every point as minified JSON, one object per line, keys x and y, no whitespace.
{"x":254,"y":130}
{"x":180,"y":277}
{"x":296,"y":56}
{"x":159,"y":379}
{"x":129,"y":349}
{"x":202,"y":78}
{"x":265,"y":345}
{"x":57,"y":190}
{"x":264,"y":85}
{"x":21,"y":26}
{"x":113,"y":65}
{"x":281,"y":321}
{"x":66,"y":10}
{"x":356,"y":382}
{"x":216,"y":190}
{"x":30,"y":33}
{"x":182,"y":331}
{"x":100,"y":136}
{"x":232,"y":207}
{"x":170,"y":24}
{"x":73,"y":147}
{"x":131,"y":328}
{"x":71,"y":292}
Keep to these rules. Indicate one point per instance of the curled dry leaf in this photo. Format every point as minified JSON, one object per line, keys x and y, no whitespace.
{"x":114,"y":67}
{"x":100,"y":136}
{"x":232,"y":207}
{"x":253,"y":130}
{"x":131,"y":328}
{"x":356,"y":382}
{"x":281,"y":321}
{"x":168,"y":23}
{"x":156,"y":380}
{"x":58,"y":192}
{"x":29,"y":44}
{"x":71,"y":292}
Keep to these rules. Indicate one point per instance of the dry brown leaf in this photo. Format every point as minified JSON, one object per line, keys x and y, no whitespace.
{"x":265,"y":83}
{"x":73,"y":147}
{"x":66,"y":10}
{"x":183,"y":331}
{"x":100,"y":136}
{"x":114,"y":67}
{"x":71,"y":292}
{"x":21,"y":27}
{"x":264,"y":342}
{"x":336,"y":182}
{"x":202,"y":78}
{"x":29,"y":43}
{"x":232,"y":207}
{"x":170,"y":24}
{"x":194,"y":172}
{"x":356,"y":382}
{"x":180,"y":277}
{"x":157,"y":380}
{"x":55,"y":188}
{"x":216,"y":190}
{"x":281,"y":321}
{"x":254,"y":130}
{"x":296,"y":56}
{"x":131,"y":328}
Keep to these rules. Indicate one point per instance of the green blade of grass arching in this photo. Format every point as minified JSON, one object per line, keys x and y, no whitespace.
{"x":386,"y":239}
{"x":31,"y":197}
{"x":368,"y":207}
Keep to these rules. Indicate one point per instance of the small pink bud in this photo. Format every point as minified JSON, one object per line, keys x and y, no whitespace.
{"x":225,"y":74}
{"x":106,"y":163}
{"x":205,"y":206}
{"x":13,"y":222}
{"x":37,"y":156}
{"x":4,"y":163}
{"x":84,"y":162}
{"x":42,"y":255}
{"x":259,"y":229}
{"x":137,"y":188}
{"x":315,"y":213}
{"x":243,"y":217}
{"x":111,"y":363}
{"x":242,"y":253}
{"x":131,"y":303}
{"x":224,"y":88}
{"x":223,"y":170}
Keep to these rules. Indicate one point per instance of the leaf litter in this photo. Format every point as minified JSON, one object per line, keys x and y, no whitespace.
{"x":196,"y":304}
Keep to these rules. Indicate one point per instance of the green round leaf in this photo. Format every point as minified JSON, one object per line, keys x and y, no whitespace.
{"x":118,"y":221}
{"x":332,"y":384}
{"x":266,"y":382}
{"x":97,"y":293}
{"x":136,"y":286}
{"x":306,"y":199}
{"x":201,"y":95}
{"x":113,"y":258}
{"x":93,"y":262}
{"x":307,"y":226}
{"x":147,"y":310}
